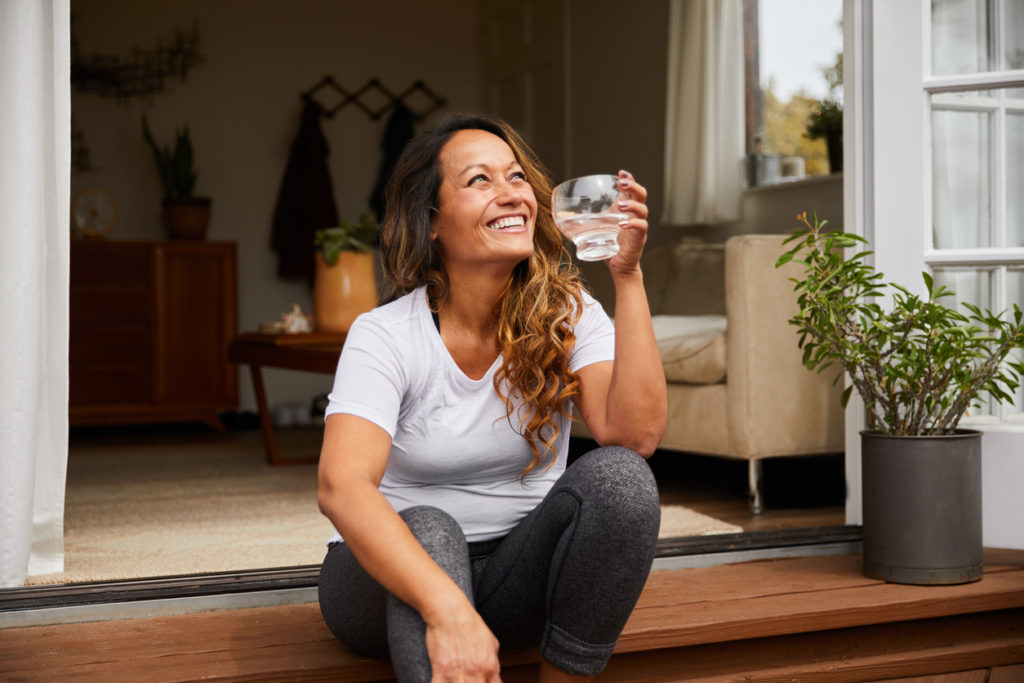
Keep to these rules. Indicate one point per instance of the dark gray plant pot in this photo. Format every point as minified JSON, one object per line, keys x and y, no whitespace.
{"x":922,"y":507}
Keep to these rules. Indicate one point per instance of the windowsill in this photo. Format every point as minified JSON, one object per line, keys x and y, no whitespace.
{"x":801,"y":184}
{"x":989,"y":423}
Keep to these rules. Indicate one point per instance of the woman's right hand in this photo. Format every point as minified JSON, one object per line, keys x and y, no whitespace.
{"x":461,"y":647}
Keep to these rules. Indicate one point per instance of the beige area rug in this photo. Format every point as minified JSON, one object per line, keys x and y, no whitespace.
{"x":678,"y":521}
{"x":143,"y":507}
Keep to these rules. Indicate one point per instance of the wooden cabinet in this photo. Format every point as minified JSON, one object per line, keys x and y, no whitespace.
{"x":150,"y":327}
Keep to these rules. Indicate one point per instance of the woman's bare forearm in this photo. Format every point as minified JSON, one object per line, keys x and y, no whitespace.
{"x":637,"y":401}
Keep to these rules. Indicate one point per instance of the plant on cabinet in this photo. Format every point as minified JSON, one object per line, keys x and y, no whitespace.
{"x":186,"y":216}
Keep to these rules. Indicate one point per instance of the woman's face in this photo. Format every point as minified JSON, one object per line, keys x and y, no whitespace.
{"x":487,"y":208}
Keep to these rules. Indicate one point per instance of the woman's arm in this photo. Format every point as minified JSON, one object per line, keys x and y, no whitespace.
{"x":352,"y":462}
{"x":625,"y":402}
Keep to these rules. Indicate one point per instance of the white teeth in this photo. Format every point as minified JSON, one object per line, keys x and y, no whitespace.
{"x":510,"y":221}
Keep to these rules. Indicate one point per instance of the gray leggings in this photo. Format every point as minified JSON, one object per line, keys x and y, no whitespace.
{"x":566,"y":577}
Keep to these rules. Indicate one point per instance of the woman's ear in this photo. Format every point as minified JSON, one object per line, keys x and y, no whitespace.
{"x":434,"y":216}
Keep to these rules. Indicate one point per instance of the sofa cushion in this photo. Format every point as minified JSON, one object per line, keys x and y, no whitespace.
{"x":692,"y":347}
{"x":692,"y":279}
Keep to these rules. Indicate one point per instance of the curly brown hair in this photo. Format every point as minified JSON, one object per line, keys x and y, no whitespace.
{"x":539,"y":307}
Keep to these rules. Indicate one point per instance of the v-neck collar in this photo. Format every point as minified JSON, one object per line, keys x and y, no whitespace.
{"x":458,"y":372}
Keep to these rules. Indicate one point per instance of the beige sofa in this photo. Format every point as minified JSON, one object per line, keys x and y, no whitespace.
{"x":736,"y":384}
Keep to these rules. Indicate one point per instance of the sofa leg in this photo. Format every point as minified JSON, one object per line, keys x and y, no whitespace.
{"x":756,"y":476}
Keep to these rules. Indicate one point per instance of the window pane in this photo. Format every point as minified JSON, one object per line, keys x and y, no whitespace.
{"x":795,"y":78}
{"x":960,"y":36}
{"x":967,"y":284}
{"x":1013,"y":34}
{"x":960,"y":179}
{"x":974,"y":287}
{"x":1014,"y":180}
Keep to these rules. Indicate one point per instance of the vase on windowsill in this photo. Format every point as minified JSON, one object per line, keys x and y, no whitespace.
{"x":918,"y":367}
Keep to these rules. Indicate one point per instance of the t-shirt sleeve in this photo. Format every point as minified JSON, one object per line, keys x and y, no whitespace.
{"x":595,"y":336}
{"x":370,"y":379}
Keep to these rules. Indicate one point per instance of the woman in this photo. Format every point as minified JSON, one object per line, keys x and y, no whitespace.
{"x":451,"y":406}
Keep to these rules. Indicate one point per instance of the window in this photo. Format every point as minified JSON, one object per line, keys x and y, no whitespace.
{"x":794,"y":79}
{"x":976,"y":241}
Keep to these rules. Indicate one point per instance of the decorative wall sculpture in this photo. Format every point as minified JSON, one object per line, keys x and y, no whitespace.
{"x":140,"y":74}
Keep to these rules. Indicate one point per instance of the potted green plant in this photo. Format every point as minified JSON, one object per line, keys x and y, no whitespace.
{"x":919,"y":367}
{"x":345,"y":283}
{"x":186,"y":216}
{"x":826,"y":121}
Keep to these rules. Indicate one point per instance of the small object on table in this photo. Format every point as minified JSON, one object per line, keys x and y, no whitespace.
{"x":292,"y":322}
{"x":296,"y":322}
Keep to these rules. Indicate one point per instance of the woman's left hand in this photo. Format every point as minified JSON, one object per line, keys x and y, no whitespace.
{"x":633,"y":235}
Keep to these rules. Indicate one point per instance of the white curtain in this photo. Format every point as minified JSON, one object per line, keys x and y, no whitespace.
{"x":35,"y":181}
{"x":704,"y":125}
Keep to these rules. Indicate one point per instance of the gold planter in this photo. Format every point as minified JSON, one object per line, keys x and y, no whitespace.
{"x":343,"y":291}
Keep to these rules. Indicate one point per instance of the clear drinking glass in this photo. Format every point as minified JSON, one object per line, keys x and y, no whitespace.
{"x":586,"y":211}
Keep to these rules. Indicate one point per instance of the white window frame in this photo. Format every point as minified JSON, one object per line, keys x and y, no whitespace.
{"x":887,"y":189}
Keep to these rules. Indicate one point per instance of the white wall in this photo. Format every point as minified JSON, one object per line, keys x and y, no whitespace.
{"x":616,"y":75}
{"x":242,"y":107}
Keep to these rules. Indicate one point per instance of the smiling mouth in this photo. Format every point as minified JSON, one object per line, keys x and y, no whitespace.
{"x":507,"y":222}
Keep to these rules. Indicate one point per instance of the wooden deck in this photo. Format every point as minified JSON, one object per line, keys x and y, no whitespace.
{"x":804,"y":619}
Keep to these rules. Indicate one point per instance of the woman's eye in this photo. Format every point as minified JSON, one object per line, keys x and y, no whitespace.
{"x":519,"y":175}
{"x":479,"y":177}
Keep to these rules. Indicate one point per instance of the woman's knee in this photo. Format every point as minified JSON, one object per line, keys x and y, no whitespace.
{"x":617,"y":469}
{"x":438,"y":533}
{"x":620,"y":482}
{"x":427,"y":522}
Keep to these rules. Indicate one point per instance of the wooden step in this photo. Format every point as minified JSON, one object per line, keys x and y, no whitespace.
{"x":815,"y":618}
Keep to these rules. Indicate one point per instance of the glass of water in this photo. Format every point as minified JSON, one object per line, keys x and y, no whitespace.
{"x":586,"y":211}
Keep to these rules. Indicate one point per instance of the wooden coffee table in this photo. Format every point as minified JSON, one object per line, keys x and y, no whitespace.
{"x":312,"y":352}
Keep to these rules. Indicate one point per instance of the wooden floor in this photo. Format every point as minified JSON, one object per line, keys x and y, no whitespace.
{"x":799,"y":492}
{"x":797,"y":619}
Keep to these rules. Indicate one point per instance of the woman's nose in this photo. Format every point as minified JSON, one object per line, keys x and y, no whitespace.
{"x":510,"y":193}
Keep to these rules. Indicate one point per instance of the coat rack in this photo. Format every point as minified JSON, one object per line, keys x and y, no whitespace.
{"x":371,"y":86}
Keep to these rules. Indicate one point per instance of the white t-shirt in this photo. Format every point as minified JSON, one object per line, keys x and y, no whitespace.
{"x":451,"y":445}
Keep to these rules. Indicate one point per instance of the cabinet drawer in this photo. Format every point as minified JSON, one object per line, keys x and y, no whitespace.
{"x":111,"y":346}
{"x":110,"y":385}
{"x":97,"y":304}
{"x":111,"y":264}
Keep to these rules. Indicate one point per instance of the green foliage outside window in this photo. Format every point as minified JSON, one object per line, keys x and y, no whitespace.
{"x":785,"y":125}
